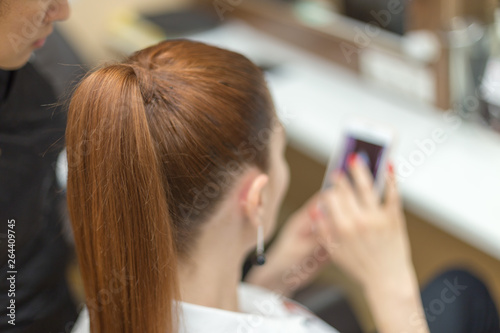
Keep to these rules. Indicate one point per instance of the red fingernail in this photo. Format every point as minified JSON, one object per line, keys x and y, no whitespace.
{"x":351,"y":160}
{"x":314,"y":211}
{"x":314,"y":214}
{"x":391,"y":168}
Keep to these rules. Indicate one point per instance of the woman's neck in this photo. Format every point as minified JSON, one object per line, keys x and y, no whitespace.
{"x":210,"y":285}
{"x":212,"y":273}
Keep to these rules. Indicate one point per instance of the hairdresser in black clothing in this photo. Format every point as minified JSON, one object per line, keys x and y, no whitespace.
{"x":31,"y":138}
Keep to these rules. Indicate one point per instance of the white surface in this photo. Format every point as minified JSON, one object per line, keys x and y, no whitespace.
{"x":391,"y":70}
{"x":457,"y":184}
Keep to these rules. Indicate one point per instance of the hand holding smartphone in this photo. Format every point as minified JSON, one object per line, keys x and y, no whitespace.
{"x":365,"y":236}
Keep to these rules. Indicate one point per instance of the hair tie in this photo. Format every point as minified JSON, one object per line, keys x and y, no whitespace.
{"x":146,"y":82}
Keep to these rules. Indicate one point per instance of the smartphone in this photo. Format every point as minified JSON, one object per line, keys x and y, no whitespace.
{"x":371,"y":142}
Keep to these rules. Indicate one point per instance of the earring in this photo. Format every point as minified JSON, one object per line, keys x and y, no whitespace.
{"x":261,"y":256}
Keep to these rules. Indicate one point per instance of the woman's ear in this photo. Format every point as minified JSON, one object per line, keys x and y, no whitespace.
{"x":252,"y":200}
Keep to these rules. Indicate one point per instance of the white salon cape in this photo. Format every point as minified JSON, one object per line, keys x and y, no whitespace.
{"x":261,"y":312}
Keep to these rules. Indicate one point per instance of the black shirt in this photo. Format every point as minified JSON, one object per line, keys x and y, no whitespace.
{"x":31,"y":138}
{"x":5,"y":84}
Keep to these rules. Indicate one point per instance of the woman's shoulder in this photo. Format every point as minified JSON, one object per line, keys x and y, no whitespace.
{"x":261,"y":311}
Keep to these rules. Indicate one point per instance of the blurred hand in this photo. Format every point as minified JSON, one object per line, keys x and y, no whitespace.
{"x":363,"y":236}
{"x":296,"y":256}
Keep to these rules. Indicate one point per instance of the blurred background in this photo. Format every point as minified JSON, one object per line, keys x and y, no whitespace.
{"x":428,"y":68}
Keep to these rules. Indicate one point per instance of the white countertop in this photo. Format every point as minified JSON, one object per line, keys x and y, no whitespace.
{"x":457,"y":184}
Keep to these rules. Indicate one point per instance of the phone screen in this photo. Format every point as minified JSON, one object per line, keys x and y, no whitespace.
{"x":371,"y":153}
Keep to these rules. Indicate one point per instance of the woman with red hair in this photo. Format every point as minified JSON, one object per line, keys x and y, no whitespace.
{"x":177,"y":171}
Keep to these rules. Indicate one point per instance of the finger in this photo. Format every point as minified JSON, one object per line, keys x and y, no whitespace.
{"x":363,"y":181}
{"x":313,"y":212}
{"x":311,"y":206}
{"x":347,"y":197}
{"x":334,"y":207}
{"x":327,"y":235}
{"x":334,"y":195}
{"x":392,"y":198}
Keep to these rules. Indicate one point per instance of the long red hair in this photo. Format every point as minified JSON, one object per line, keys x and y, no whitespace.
{"x":153,"y":144}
